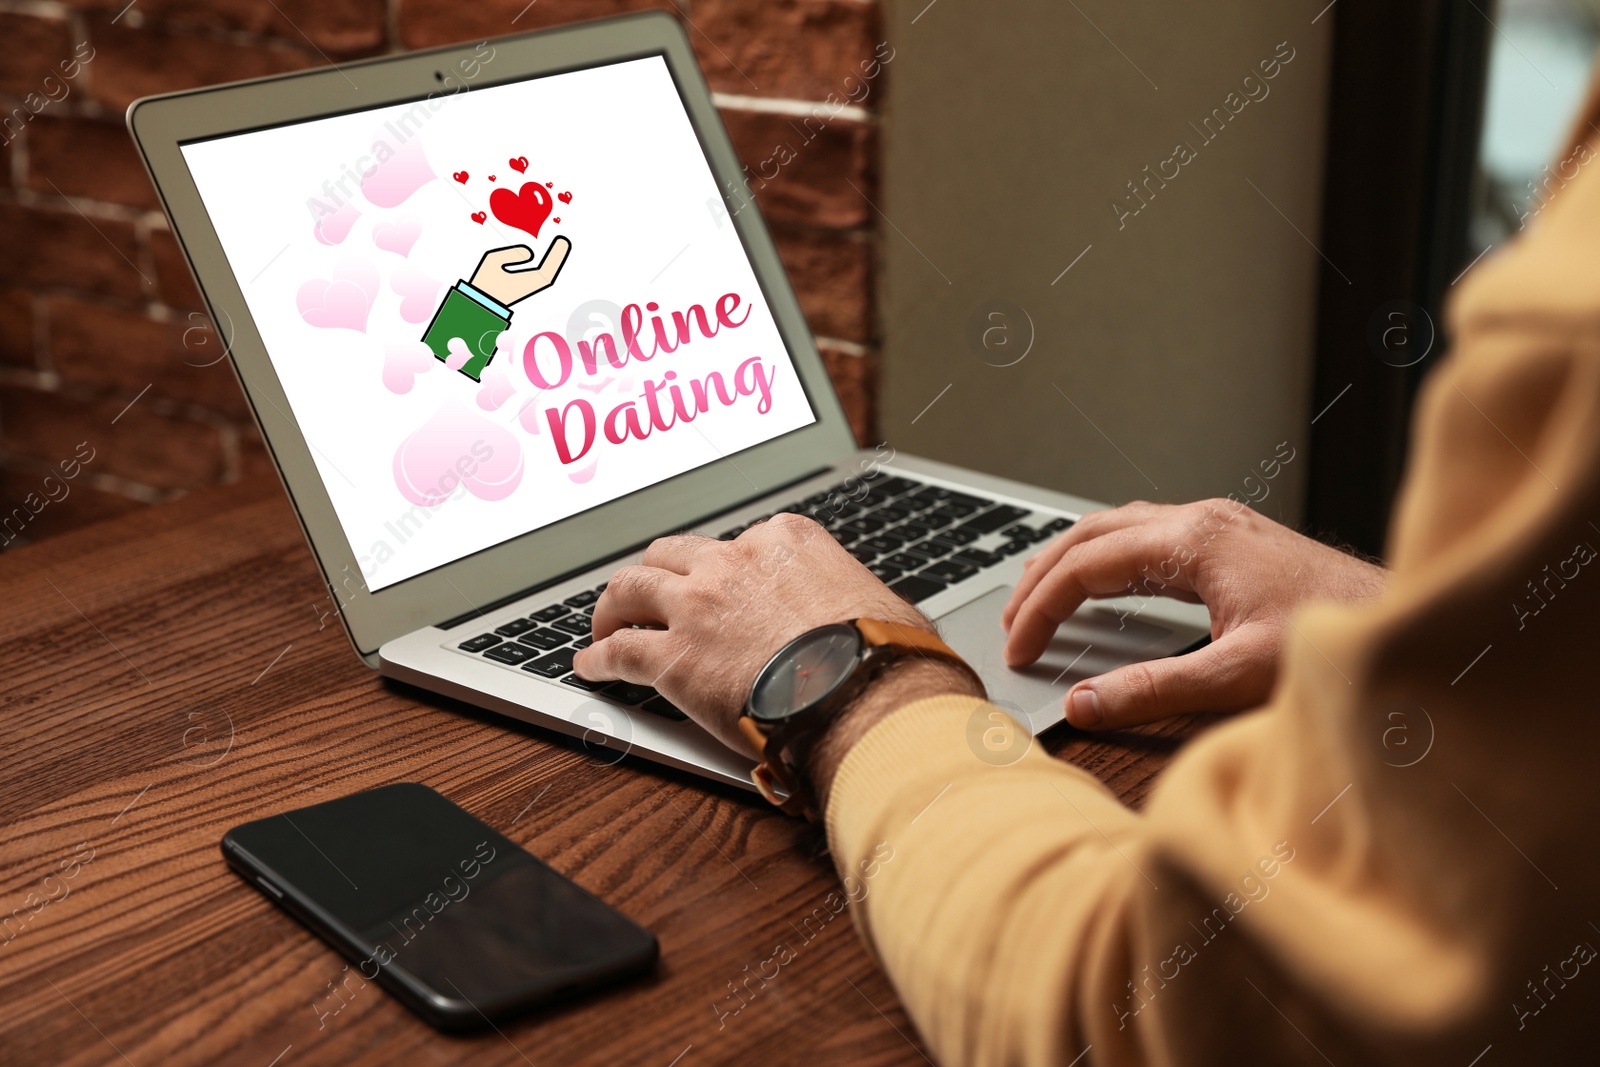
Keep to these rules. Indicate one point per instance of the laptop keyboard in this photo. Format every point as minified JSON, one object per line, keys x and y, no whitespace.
{"x":918,"y":538}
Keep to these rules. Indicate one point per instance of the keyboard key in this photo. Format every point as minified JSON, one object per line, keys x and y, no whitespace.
{"x":581,"y":683}
{"x":955,"y":511}
{"x":1020,"y":532}
{"x":928,"y":496}
{"x":514,"y":627}
{"x":993,"y":519}
{"x":554,"y":611}
{"x":895,"y":486}
{"x":950,"y":571}
{"x":864,"y":555}
{"x":479,"y":643}
{"x":957,"y":537}
{"x":1011,"y":548}
{"x":911,"y":531}
{"x":552,"y":666}
{"x":628,"y":693}
{"x":977,"y":557}
{"x":663,"y":707}
{"x":915,"y":588}
{"x":881,"y":543}
{"x":577,"y":625}
{"x":965,"y":500}
{"x":582,"y":600}
{"x":886,"y":573}
{"x":1055,"y":526}
{"x":510,"y":652}
{"x":583,"y":642}
{"x":544,"y":639}
{"x":891,"y":513}
{"x":905,"y":561}
{"x":845,"y":536}
{"x":932,"y":549}
{"x":589,"y":610}
{"x":864,"y":525}
{"x":936,"y":520}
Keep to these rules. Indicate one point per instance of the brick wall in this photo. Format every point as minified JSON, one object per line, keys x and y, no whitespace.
{"x":101,"y":339}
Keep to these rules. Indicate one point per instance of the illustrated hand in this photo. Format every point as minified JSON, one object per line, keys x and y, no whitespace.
{"x":721,"y":609}
{"x":1250,"y":572}
{"x":500,"y":275}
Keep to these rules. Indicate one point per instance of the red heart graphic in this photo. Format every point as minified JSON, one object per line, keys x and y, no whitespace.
{"x":460,"y":176}
{"x":526,"y":209}
{"x":520,"y":164}
{"x":549,"y":185}
{"x":491,"y":177}
{"x":558,"y":218}
{"x":479,"y":217}
{"x":565,"y":198}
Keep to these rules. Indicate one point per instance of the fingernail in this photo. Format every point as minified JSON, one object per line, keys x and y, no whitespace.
{"x":1084,"y":707}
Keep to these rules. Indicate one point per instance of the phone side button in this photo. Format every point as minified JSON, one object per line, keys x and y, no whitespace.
{"x":269,"y":887}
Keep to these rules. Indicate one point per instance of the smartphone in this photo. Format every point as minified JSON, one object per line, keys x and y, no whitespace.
{"x":457,"y":921}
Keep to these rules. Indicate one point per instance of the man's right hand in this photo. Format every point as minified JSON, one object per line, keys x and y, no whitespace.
{"x":1250,"y":572}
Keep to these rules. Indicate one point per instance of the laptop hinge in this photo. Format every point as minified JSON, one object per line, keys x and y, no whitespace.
{"x":476,"y":613}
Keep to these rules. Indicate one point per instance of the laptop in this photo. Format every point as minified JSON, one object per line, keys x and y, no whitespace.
{"x":505,"y":312}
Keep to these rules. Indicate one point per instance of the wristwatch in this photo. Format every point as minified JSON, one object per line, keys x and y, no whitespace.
{"x":805,"y":687}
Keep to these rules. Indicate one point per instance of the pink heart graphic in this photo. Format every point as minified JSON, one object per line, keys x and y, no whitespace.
{"x":448,"y":451}
{"x":342,"y":303}
{"x":417,"y":292}
{"x":528,"y":415}
{"x":391,"y":183}
{"x":497,"y":387}
{"x":526,"y":209}
{"x":333,"y":227}
{"x":584,"y":474}
{"x":397,"y":236}
{"x":519,"y":164}
{"x":402,"y":364}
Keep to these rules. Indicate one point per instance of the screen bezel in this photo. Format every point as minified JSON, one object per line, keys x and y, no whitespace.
{"x":161,"y":124}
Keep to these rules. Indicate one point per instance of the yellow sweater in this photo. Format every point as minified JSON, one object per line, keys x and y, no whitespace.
{"x":1394,"y":860}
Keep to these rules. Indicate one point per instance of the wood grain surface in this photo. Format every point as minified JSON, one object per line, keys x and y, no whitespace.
{"x":163,"y":678}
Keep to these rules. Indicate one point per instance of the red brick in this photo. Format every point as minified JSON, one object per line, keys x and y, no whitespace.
{"x":803,"y":49}
{"x":340,"y":26}
{"x":832,"y":274}
{"x":803,"y":173}
{"x":88,"y":158}
{"x":855,"y":379}
{"x":425,"y":24}
{"x":41,"y":517}
{"x":34,"y":49}
{"x":59,"y":247}
{"x":142,"y":446}
{"x":173,"y":282}
{"x":123,"y":351}
{"x":16,"y":329}
{"x":133,"y":62}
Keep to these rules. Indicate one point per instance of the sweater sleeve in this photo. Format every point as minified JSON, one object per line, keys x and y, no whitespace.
{"x":1390,"y":861}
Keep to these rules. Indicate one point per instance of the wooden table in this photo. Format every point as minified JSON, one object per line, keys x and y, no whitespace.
{"x":164,"y":679}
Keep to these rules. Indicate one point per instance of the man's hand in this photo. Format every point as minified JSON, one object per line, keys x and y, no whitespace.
{"x":1250,"y":572}
{"x":717,"y":611}
{"x":503,"y":274}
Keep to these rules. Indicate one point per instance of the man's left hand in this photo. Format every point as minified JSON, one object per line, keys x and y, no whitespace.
{"x":699,"y":618}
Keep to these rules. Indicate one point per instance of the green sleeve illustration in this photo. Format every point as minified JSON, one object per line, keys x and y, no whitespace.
{"x":477,"y":312}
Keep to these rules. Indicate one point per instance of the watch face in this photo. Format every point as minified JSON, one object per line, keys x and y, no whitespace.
{"x":805,"y":671}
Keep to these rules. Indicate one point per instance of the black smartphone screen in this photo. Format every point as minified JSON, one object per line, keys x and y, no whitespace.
{"x":457,"y":920}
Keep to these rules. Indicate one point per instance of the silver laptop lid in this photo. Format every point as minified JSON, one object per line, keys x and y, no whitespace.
{"x":451,"y":423}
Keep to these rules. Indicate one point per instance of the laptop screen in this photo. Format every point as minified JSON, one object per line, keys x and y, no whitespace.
{"x":496,"y":309}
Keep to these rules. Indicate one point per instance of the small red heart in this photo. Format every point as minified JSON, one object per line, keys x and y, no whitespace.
{"x":558,"y":218}
{"x":525,"y":209}
{"x":491,"y":177}
{"x":565,"y":198}
{"x":549,"y":185}
{"x":479,"y":217}
{"x":520,"y":164}
{"x":460,"y":176}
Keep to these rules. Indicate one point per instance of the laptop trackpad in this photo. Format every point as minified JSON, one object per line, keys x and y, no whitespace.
{"x":1092,"y":642}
